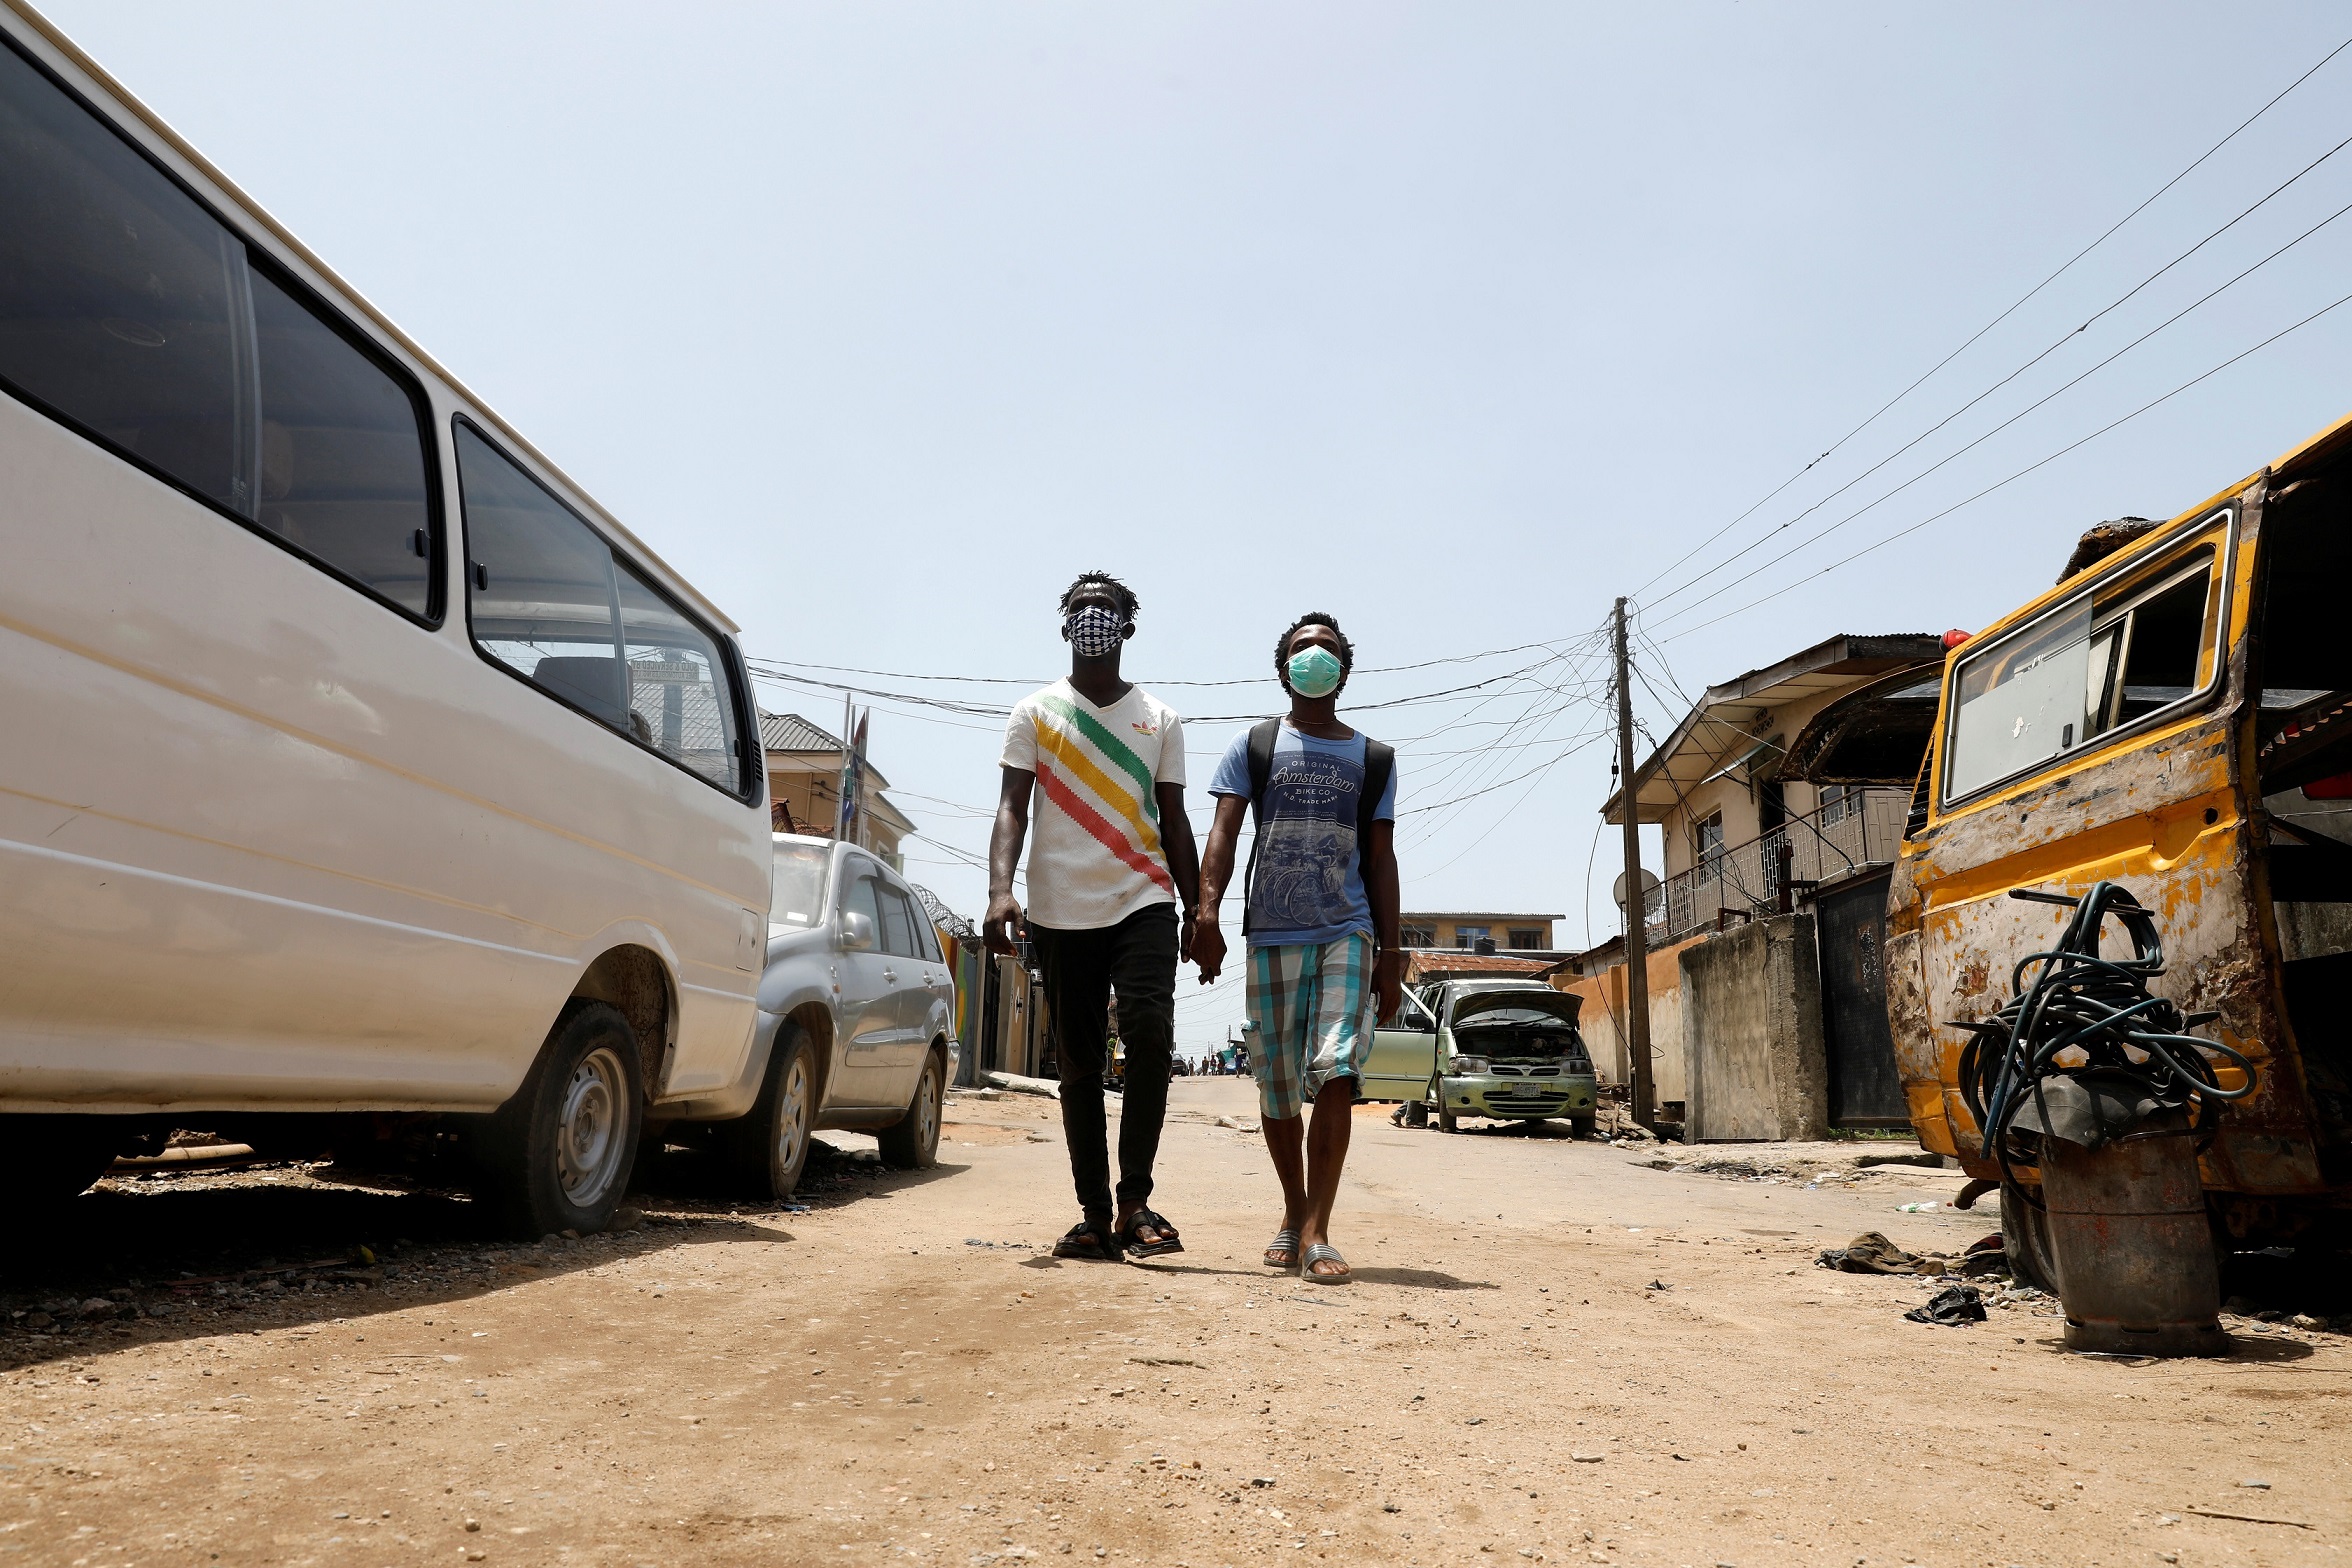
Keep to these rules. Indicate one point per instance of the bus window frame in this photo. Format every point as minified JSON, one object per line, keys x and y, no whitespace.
{"x":2218,"y":527}
{"x":749,"y":781}
{"x":259,"y":257}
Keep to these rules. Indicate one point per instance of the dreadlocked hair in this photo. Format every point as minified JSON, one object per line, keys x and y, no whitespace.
{"x":1120,"y":593}
{"x":1347,"y":650}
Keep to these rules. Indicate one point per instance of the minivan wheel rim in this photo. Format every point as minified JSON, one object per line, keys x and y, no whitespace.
{"x":930,"y":1107}
{"x":588,"y":1145}
{"x":792,"y":1123}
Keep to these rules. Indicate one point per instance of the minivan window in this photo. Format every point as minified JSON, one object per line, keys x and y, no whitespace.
{"x":120,"y":298}
{"x":133,"y":313}
{"x":342,"y":467}
{"x":680,"y":702}
{"x":2096,"y":663}
{"x":542,"y":587}
{"x":551,"y":601}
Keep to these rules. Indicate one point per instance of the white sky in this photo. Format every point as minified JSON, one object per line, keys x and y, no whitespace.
{"x":882,"y":321}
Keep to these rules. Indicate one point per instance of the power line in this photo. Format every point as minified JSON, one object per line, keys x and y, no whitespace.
{"x":2060,"y":342}
{"x":2013,"y":308}
{"x":2031,"y":407}
{"x":2019,"y":474}
{"x":1016,"y":680}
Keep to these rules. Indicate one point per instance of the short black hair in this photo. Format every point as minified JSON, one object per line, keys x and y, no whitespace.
{"x":1347,"y":650}
{"x":1120,"y":593}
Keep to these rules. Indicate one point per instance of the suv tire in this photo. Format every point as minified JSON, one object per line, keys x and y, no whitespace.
{"x":767,"y":1150}
{"x":912,"y":1143}
{"x":558,"y":1155}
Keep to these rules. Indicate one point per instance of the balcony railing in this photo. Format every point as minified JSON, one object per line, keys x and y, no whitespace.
{"x":1763,"y":875}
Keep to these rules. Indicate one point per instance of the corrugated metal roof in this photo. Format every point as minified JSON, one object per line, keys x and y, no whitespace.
{"x":1471,"y":914}
{"x":1443,"y":964}
{"x":791,"y":732}
{"x":1721,"y":731}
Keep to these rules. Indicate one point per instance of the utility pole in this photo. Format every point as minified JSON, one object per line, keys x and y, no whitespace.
{"x":1637,"y":952}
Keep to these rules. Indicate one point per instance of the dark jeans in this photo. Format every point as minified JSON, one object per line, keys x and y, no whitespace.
{"x":1137,"y":958}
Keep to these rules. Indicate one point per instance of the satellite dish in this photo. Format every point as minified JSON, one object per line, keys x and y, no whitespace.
{"x":1649,"y":885}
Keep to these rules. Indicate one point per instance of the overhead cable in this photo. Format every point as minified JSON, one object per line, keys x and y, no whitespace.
{"x":2010,"y":479}
{"x":2060,"y":342}
{"x":2012,"y":309}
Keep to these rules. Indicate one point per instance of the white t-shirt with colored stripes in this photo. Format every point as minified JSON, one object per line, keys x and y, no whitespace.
{"x":1095,"y":855}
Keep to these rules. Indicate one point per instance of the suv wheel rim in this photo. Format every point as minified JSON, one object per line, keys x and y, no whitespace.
{"x":588,"y":1144}
{"x":792,"y":1117}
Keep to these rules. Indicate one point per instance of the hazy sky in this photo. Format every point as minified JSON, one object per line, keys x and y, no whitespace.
{"x":882,"y":321}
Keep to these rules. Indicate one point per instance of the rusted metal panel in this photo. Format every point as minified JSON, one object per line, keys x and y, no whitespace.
{"x":2167,"y":816}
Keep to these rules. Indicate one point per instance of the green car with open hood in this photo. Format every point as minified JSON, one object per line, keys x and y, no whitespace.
{"x":1507,"y":1050}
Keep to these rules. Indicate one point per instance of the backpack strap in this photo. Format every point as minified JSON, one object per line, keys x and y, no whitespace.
{"x":1379,"y":768}
{"x":1261,"y":771}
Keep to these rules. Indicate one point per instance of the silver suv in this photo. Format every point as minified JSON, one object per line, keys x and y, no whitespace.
{"x":856,"y":1019}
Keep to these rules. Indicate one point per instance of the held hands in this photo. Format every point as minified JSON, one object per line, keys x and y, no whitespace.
{"x":1003,"y":925}
{"x":1208,"y":947}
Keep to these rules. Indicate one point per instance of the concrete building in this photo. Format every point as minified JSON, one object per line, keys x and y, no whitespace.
{"x":804,"y":783}
{"x":1510,"y":933}
{"x":1781,"y":797}
{"x":1732,"y":823}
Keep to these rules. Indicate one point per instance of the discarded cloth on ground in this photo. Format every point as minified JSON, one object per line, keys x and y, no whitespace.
{"x":1872,"y":1253}
{"x":1951,"y":1307}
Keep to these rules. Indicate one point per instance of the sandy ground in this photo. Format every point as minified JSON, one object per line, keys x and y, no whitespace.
{"x":1552,"y":1352}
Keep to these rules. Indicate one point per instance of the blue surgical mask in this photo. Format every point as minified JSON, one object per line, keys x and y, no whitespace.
{"x":1314,"y":672}
{"x":1094,"y":630}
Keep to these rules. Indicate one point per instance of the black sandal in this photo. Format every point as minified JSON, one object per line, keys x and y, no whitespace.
{"x":1091,"y":1240}
{"x":1136,"y":1248}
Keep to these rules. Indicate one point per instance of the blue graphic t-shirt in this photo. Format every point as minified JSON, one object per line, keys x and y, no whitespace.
{"x":1309,"y":885}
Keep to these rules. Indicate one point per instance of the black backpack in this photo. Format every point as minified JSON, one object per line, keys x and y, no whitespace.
{"x":1379,"y":764}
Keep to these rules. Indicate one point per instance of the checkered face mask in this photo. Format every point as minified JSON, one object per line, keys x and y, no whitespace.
{"x":1094,"y":631}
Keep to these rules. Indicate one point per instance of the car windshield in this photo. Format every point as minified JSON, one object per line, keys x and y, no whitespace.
{"x":1515,"y":1008}
{"x":798,"y":898}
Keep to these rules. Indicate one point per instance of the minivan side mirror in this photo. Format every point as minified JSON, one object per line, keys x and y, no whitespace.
{"x":857,"y":931}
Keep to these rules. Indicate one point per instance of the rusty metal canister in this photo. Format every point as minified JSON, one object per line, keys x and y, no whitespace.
{"x":2133,"y":1249}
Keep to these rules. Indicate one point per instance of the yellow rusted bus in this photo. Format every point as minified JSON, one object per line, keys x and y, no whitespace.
{"x":2177,"y":717}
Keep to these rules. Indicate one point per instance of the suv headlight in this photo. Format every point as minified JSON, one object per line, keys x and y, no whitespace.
{"x":1471,"y":1064}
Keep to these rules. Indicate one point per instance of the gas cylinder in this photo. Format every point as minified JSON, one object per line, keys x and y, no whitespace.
{"x":2131,"y":1243}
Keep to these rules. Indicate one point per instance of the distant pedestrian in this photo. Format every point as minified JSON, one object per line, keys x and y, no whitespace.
{"x":1319,"y":912}
{"x":1113,"y":877}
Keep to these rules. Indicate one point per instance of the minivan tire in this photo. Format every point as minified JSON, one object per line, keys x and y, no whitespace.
{"x":913,"y":1142}
{"x":1582,"y":1127}
{"x":1445,"y":1118}
{"x":766,"y":1151}
{"x":558,"y":1155}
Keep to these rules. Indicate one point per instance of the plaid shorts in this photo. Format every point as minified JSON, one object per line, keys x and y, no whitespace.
{"x":1310,"y":1019}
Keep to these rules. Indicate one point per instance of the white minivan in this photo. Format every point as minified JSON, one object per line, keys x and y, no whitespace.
{"x":353,"y":762}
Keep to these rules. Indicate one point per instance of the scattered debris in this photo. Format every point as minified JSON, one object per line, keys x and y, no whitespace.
{"x":1950,"y":1307}
{"x":2221,"y":1513}
{"x":1020,"y":1085}
{"x":1872,"y":1253}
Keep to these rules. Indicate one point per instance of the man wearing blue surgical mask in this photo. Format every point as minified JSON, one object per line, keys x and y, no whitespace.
{"x":1320,"y":916}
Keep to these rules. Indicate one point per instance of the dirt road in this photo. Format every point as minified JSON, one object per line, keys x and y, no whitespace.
{"x":1552,"y":1353}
